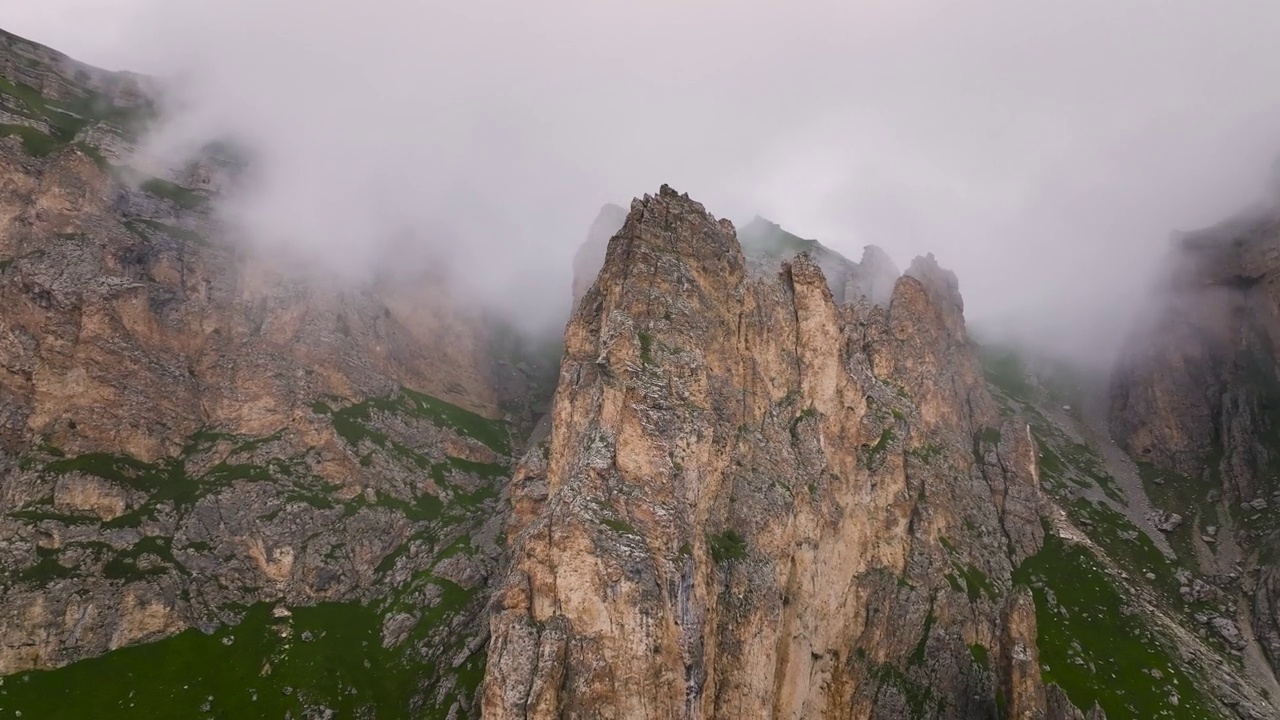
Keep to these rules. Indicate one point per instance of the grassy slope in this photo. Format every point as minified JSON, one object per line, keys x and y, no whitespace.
{"x":1089,"y":644}
{"x":324,"y":656}
{"x":1093,"y":649}
{"x":66,"y":119}
{"x":194,"y":675}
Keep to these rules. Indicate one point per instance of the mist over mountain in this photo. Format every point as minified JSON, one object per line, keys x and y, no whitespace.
{"x":1045,"y":153}
{"x":363,"y":360}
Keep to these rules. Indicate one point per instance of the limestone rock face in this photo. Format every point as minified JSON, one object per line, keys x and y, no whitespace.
{"x":78,"y":493}
{"x":1198,"y":387}
{"x":189,"y":429}
{"x":118,"y":336}
{"x":874,"y":279}
{"x":1197,"y":397}
{"x":60,"y":78}
{"x":752,"y":501}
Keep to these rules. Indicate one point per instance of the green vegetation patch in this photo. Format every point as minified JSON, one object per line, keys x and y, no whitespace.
{"x":124,"y":566}
{"x":1128,"y":546}
{"x":66,"y":119}
{"x":980,"y":656}
{"x":920,"y":652}
{"x":356,"y":424}
{"x":163,"y":481}
{"x":180,"y":196}
{"x":495,"y":434}
{"x":646,"y":347}
{"x":882,"y":444}
{"x":1085,"y":460}
{"x":39,"y":144}
{"x":43,"y":511}
{"x":47,"y":568}
{"x":795,"y":422}
{"x":35,"y":107}
{"x":1062,"y":460}
{"x":34,"y":141}
{"x":727,"y":546}
{"x":920,"y":698}
{"x":327,"y":656}
{"x":975,"y":582}
{"x":619,"y":526}
{"x":1005,"y":370}
{"x":1096,"y":650}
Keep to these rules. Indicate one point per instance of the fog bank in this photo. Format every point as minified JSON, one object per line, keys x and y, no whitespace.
{"x":1044,"y":151}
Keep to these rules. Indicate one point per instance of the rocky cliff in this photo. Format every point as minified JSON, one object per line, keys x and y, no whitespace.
{"x":1197,"y":401}
{"x":198,"y":443}
{"x":755,"y":501}
{"x":771,"y":482}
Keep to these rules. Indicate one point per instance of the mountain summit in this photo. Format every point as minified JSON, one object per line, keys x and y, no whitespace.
{"x":753,"y":497}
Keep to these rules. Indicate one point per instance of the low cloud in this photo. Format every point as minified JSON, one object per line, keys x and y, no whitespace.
{"x":1044,"y":151}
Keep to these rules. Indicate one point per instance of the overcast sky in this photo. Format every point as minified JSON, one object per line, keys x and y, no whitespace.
{"x":1043,"y":150}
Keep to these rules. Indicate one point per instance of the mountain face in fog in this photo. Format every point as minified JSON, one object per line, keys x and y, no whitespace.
{"x":1196,"y":399}
{"x":751,"y":477}
{"x":195,"y":438}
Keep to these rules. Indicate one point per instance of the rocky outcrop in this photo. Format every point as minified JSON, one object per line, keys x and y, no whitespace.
{"x":1197,"y":397}
{"x":1266,"y":612}
{"x":189,"y":429}
{"x":874,"y":277}
{"x":766,"y":246}
{"x":772,"y":482}
{"x":754,"y":500}
{"x":128,"y":333}
{"x":59,"y":78}
{"x":1197,"y":389}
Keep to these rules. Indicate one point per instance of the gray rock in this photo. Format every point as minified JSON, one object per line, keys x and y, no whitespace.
{"x":1168,"y":522}
{"x":1228,"y":631}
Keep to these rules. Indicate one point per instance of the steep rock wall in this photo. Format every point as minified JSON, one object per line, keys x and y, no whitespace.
{"x":754,"y":502}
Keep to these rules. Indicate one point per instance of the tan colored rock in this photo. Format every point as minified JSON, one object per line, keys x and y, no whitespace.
{"x":275,"y":562}
{"x":1023,"y":689}
{"x":117,"y":345}
{"x":26,"y":644}
{"x":133,"y":325}
{"x":79,"y":493}
{"x":144,"y":616}
{"x":751,"y":496}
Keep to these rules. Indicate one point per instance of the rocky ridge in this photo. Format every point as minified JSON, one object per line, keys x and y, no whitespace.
{"x":766,"y":246}
{"x":192,"y":434}
{"x":772,"y":481}
{"x":754,"y":500}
